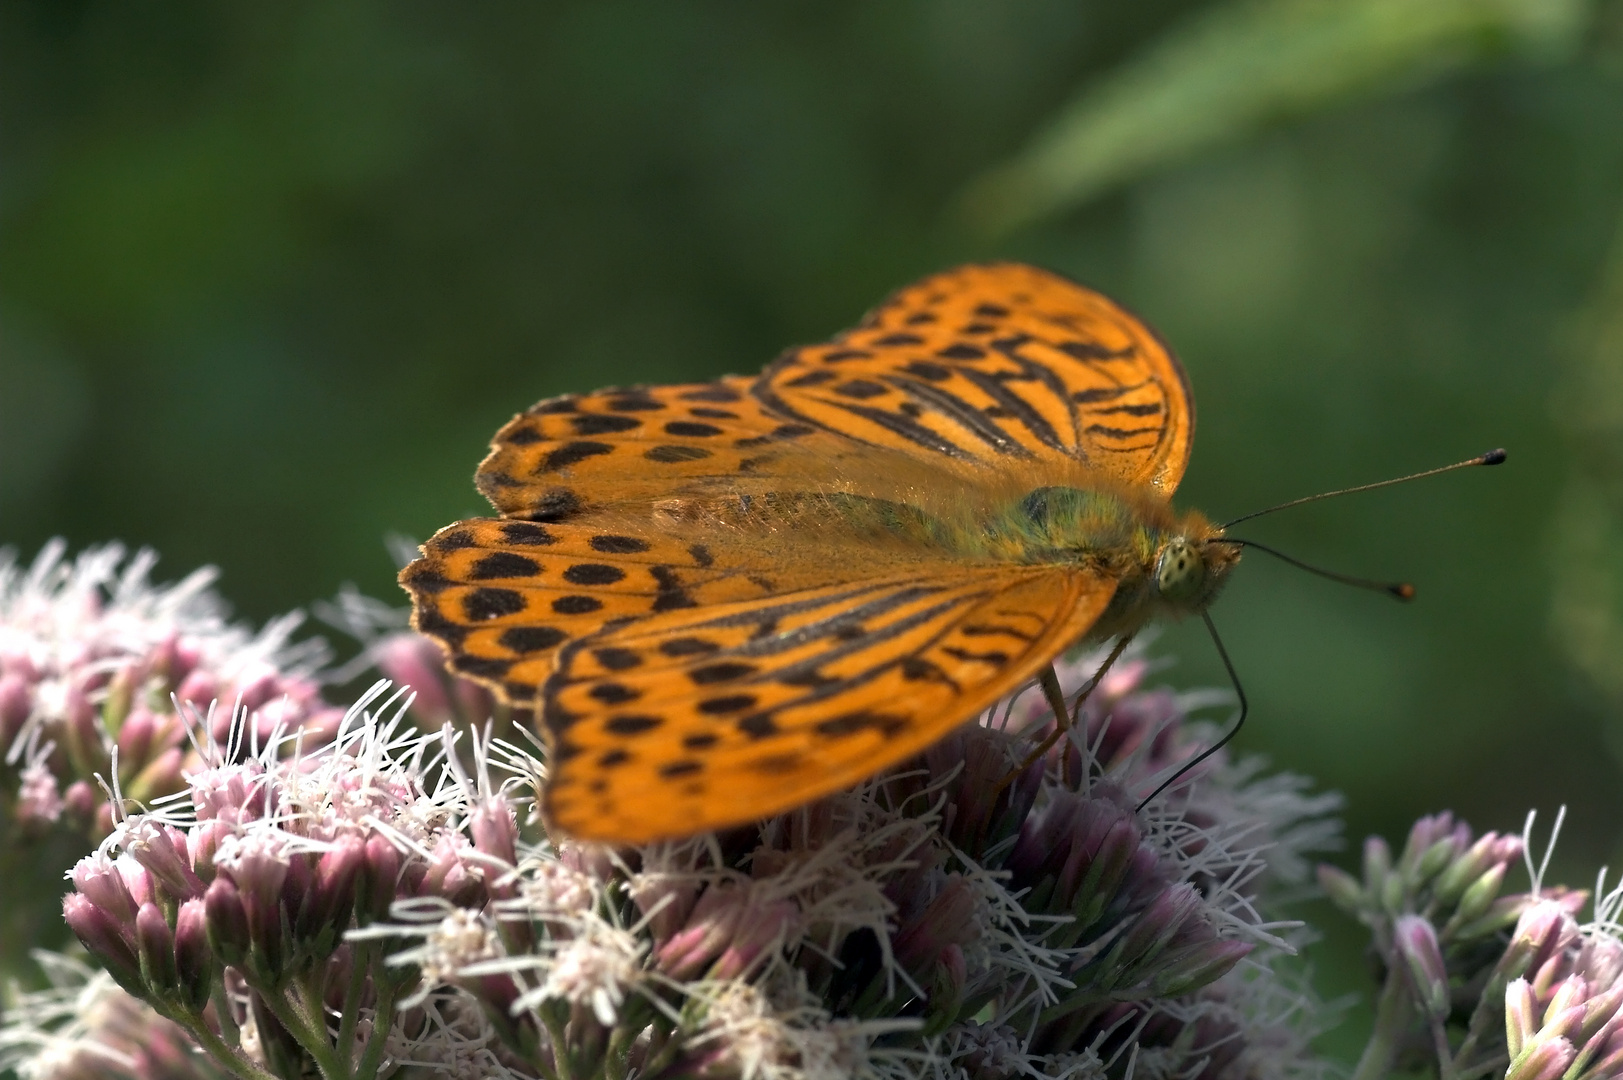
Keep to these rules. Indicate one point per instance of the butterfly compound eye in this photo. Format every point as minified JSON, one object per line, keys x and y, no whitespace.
{"x":1180,"y":571}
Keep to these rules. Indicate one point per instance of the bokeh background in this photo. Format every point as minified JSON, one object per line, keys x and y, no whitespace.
{"x":270,"y":276}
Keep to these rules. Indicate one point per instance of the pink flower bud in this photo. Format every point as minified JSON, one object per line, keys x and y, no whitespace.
{"x":162,"y":776}
{"x":378,"y":881}
{"x":1416,"y":940}
{"x":325,"y":914}
{"x":227,"y":921}
{"x":495,"y":832}
{"x":321,"y":726}
{"x":1570,"y":991}
{"x":413,"y":660}
{"x":161,"y":851}
{"x":1200,"y":967}
{"x":80,"y":733}
{"x":255,"y":688}
{"x":194,"y":960}
{"x":1545,"y":1060}
{"x":949,"y":920}
{"x":103,"y":938}
{"x":717,"y":917}
{"x":665,"y":902}
{"x":199,"y":689}
{"x":1342,"y":888}
{"x":135,"y":739}
{"x":1377,"y":864}
{"x":1521,"y":1015}
{"x":763,"y":928}
{"x":98,"y":880}
{"x":80,"y":800}
{"x":156,"y":947}
{"x":202,"y":841}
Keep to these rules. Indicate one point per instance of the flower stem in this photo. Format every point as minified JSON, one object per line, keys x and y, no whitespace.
{"x":382,"y":1024}
{"x":1392,"y":1012}
{"x":360,"y":961}
{"x":229,"y":1057}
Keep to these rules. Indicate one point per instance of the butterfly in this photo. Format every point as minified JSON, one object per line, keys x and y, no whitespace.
{"x":725,"y":599}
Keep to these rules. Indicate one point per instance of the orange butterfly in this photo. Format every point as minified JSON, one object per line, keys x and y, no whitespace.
{"x":728,"y":598}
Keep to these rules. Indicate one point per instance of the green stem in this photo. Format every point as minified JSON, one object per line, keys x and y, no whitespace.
{"x":1392,"y":1013}
{"x":1445,"y":1057}
{"x":223,"y":1011}
{"x":560,"y":1045}
{"x":313,"y":1038}
{"x":229,"y":1057}
{"x":359,"y":961}
{"x":382,"y":1024}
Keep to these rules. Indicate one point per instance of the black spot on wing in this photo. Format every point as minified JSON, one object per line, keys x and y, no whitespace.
{"x":526,"y":533}
{"x":671,"y":453}
{"x":593,"y":574}
{"x":555,"y":504}
{"x":503,"y":564}
{"x":612,"y":544}
{"x":602,"y":424}
{"x":691,"y":429}
{"x":486,"y":603}
{"x":528,"y":639}
{"x":616,"y":659}
{"x":573,"y":453}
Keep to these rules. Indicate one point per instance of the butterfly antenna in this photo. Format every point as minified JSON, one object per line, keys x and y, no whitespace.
{"x":1239,"y":692}
{"x":1492,"y":457}
{"x":1400,"y":589}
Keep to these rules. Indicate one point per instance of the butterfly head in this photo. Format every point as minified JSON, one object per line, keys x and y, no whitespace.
{"x":1192,"y":565}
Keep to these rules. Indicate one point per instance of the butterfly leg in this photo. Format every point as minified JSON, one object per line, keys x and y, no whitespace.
{"x":1064,"y":715}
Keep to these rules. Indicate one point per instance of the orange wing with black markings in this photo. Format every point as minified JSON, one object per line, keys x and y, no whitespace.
{"x":708,"y":717}
{"x":1001,"y":362}
{"x":732,"y":597}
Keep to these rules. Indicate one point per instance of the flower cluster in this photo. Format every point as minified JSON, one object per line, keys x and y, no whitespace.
{"x":83,"y":1026}
{"x":385,"y":901}
{"x":227,"y":913}
{"x":93,"y":661}
{"x":1564,"y":1013}
{"x":1478,"y":982}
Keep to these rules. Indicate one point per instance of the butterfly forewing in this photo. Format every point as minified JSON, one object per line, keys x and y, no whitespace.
{"x":707,"y":718}
{"x":571,"y":454}
{"x":1001,"y":363}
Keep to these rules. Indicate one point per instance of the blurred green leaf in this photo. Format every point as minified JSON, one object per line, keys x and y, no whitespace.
{"x":1238,"y":66}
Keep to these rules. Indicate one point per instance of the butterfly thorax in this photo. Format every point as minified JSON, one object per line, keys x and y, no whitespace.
{"x":1163,"y":564}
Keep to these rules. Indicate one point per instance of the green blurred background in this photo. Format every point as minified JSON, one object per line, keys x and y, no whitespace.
{"x":270,"y":276}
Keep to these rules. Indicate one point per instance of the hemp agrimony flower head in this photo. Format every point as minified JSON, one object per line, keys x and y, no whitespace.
{"x":929,"y":922}
{"x":385,"y":901}
{"x":227,"y":913}
{"x":1477,"y":983}
{"x":94,"y":657}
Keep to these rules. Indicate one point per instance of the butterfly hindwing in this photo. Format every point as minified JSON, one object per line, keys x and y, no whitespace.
{"x":502,"y":595}
{"x":701,"y":719}
{"x":999,"y":363}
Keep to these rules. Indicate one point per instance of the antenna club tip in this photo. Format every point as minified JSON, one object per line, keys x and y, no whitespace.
{"x":1493,"y":457}
{"x":1403,"y":590}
